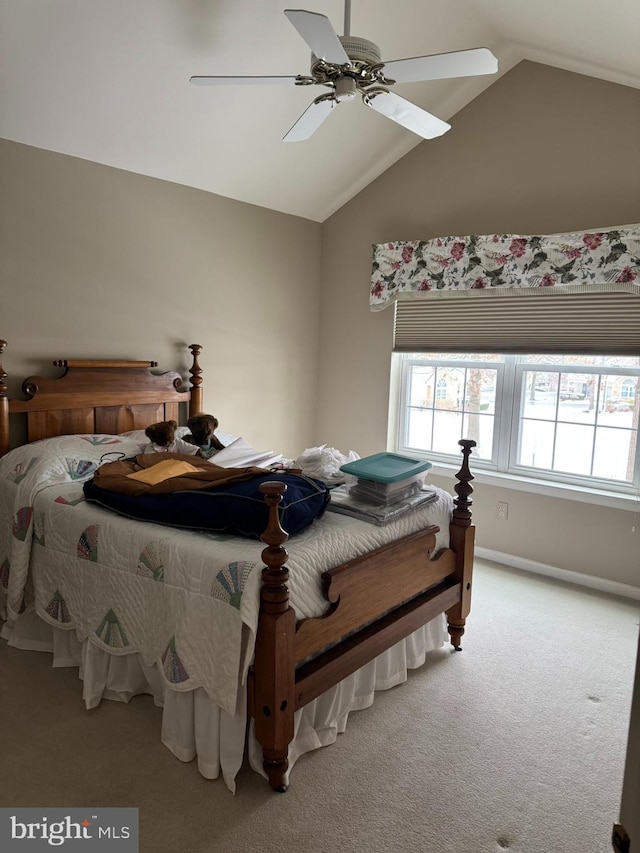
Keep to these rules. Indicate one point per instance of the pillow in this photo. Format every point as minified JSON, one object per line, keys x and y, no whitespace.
{"x":64,"y":458}
{"x":237,"y":508}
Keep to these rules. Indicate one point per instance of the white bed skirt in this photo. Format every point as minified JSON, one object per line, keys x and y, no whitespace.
{"x":193,"y":726}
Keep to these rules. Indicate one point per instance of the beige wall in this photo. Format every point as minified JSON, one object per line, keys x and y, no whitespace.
{"x":97,"y":262}
{"x":540,"y":151}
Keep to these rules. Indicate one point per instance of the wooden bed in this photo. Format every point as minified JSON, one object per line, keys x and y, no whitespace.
{"x":373,"y":601}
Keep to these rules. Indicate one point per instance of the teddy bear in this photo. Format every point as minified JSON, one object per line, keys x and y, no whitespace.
{"x":162,"y":436}
{"x":202,"y":434}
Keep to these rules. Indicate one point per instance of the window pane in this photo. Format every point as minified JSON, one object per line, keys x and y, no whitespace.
{"x":458,"y":356}
{"x":449,"y":388}
{"x":539,"y":395}
{"x":577,"y":393}
{"x":478,"y":407}
{"x":586,"y":409}
{"x":572,"y":387}
{"x":476,"y":382}
{"x":614,"y":454}
{"x":574,"y":447}
{"x":447,"y":429}
{"x":540,"y":359}
{"x":421,"y":385}
{"x":419,"y":426}
{"x":536,"y":444}
{"x":447,"y":402}
{"x":480,"y":429}
{"x":606,"y":360}
{"x":570,"y":397}
{"x":617,"y":400}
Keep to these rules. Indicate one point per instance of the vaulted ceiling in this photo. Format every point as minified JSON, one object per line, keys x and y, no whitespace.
{"x":109,"y":82}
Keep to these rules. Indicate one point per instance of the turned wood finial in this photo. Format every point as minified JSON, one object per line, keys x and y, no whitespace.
{"x":275,"y":593}
{"x":3,"y":375}
{"x":195,"y":375}
{"x":195,"y":370}
{"x":4,"y":406}
{"x":463,"y":488}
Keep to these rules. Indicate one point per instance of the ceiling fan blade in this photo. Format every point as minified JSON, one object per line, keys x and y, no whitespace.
{"x":311,"y":119}
{"x":405,"y":113}
{"x":318,"y":33}
{"x":439,"y":66}
{"x":227,"y":81}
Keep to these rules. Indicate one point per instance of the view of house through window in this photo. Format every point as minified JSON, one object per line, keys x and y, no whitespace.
{"x":566,"y":418}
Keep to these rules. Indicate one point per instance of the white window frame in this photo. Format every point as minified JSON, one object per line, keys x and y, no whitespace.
{"x":503,"y":467}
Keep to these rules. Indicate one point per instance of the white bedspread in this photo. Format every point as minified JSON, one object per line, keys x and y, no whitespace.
{"x":183,"y":601}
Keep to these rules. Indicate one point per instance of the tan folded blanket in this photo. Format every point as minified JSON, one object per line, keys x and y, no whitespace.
{"x":117,"y":476}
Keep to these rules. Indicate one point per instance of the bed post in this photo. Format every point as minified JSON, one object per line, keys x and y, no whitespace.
{"x":273,"y":694}
{"x":4,"y":407}
{"x":461,"y":534}
{"x":195,"y":371}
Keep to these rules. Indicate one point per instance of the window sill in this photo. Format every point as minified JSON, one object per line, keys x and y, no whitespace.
{"x":599,"y":497}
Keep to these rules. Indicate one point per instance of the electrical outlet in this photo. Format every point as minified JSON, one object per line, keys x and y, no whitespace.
{"x":502,"y":510}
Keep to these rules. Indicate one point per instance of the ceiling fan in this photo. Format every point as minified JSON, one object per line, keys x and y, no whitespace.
{"x":348,"y":65}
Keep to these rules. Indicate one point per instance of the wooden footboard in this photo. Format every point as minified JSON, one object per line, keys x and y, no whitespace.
{"x":373,"y":602}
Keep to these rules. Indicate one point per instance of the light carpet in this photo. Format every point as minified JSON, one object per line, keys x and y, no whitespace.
{"x":515,"y":744}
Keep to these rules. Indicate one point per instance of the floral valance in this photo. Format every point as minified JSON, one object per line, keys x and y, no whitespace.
{"x":502,"y":263}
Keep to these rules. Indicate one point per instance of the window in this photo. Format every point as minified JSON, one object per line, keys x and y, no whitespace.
{"x":628,"y":389}
{"x":569,"y":419}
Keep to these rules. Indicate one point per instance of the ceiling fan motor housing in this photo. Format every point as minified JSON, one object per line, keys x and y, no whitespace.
{"x":361,"y":50}
{"x":358,"y":50}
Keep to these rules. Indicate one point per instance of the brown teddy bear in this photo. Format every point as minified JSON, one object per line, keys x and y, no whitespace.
{"x":162,"y":436}
{"x":202,"y":434}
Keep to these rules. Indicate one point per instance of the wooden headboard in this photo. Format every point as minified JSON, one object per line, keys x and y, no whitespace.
{"x":102,"y":396}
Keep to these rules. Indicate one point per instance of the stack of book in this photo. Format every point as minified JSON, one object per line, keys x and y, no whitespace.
{"x":345,"y":502}
{"x":387,"y":486}
{"x":383,"y":494}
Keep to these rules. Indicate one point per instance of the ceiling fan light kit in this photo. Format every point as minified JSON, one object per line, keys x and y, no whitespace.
{"x":345,"y":89}
{"x":349,"y":65}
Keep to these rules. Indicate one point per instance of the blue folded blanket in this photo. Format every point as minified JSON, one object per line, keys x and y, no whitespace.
{"x":237,"y":508}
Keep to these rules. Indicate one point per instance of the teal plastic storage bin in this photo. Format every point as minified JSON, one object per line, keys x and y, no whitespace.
{"x":385,"y":468}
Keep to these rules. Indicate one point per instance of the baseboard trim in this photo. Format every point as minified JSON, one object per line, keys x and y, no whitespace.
{"x":601,"y":584}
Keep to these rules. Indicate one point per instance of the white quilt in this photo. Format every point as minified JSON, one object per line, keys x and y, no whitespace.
{"x":185,"y":601}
